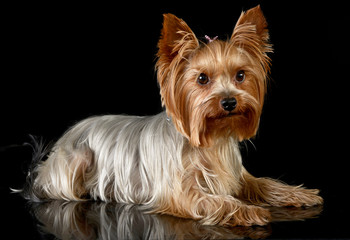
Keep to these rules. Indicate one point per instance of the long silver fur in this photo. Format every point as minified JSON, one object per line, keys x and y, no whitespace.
{"x":129,"y":159}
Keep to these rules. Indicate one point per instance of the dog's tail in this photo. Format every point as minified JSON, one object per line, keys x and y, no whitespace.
{"x":40,"y":151}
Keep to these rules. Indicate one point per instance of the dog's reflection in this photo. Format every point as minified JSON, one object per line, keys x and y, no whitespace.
{"x":98,"y":220}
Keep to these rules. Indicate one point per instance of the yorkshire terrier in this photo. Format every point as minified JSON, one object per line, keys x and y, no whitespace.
{"x":186,"y":160}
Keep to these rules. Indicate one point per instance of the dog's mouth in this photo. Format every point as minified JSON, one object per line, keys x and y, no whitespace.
{"x":227,"y":115}
{"x":230,"y":114}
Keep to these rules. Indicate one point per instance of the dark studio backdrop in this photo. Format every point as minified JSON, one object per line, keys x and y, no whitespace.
{"x":62,"y":63}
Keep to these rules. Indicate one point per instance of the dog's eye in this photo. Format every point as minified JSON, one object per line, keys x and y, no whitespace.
{"x":240,"y":76}
{"x":203,"y":79}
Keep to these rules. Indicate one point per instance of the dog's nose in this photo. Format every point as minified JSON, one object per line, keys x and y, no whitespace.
{"x":228,"y":104}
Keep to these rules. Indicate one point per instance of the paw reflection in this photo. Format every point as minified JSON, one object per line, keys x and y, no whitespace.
{"x":98,"y":220}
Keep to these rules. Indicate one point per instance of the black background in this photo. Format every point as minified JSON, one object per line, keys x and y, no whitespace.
{"x":63,"y":62}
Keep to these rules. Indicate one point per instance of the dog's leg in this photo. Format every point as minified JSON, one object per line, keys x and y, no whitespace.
{"x":64,"y":174}
{"x":265,"y":191}
{"x":210,"y":209}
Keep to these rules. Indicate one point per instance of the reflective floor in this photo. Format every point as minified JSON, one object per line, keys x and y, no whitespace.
{"x":97,"y":220}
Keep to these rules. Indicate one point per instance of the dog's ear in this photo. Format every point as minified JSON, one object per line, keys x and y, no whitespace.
{"x":251,"y":34}
{"x":253,"y":18}
{"x":177,"y":42}
{"x":176,"y":39}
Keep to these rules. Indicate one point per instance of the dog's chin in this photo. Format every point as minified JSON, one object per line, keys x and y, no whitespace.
{"x":241,"y":125}
{"x":223,"y":123}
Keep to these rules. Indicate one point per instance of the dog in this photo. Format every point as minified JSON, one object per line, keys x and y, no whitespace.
{"x":186,"y":160}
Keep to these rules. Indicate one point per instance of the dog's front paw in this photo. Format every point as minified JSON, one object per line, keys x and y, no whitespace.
{"x":249,"y":215}
{"x":307,"y":197}
{"x":300,"y":197}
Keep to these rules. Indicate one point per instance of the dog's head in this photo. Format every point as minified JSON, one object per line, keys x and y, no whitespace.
{"x":215,"y":89}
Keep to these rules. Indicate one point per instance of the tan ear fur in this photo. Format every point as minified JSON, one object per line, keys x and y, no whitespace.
{"x":251,"y":34}
{"x":175,"y":31}
{"x":253,"y":16}
{"x":176,"y":40}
